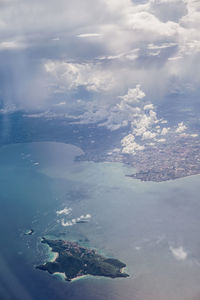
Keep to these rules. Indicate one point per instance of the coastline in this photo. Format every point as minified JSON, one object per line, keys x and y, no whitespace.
{"x":53,"y":256}
{"x":79,"y":278}
{"x":62,"y":276}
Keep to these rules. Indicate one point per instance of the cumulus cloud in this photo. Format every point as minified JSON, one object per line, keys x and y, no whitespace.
{"x":149,"y":107}
{"x":129,"y":145}
{"x":102,"y":47}
{"x":81,"y":219}
{"x":181,"y":127}
{"x":125,"y":109}
{"x":133,"y":96}
{"x":68,"y":76}
{"x":165,"y":131}
{"x":145,"y":121}
{"x":64,"y":211}
{"x":148,"y":135}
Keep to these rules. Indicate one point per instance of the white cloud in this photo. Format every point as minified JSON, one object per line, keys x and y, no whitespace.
{"x":81,"y":219}
{"x":161,"y":140}
{"x":181,"y":128}
{"x":133,"y":96}
{"x":165,"y":131}
{"x":119,"y":44}
{"x":94,"y":115}
{"x":64,"y":211}
{"x":73,"y":75}
{"x":179,"y":253}
{"x":148,"y":135}
{"x":149,"y":107}
{"x":145,"y":22}
{"x":11,"y":45}
{"x":60,"y":103}
{"x":175,"y":57}
{"x":8,"y":109}
{"x":155,"y":53}
{"x":161,"y":46}
{"x":67,"y":223}
{"x":129,"y":146}
{"x":56,"y":39}
{"x":141,"y":125}
{"x":89,"y":35}
{"x":128,"y":109}
{"x":130,"y":55}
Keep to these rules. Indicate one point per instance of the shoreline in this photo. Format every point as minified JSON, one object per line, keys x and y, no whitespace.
{"x":80,"y":277}
{"x":54,"y":255}
{"x":62,"y":276}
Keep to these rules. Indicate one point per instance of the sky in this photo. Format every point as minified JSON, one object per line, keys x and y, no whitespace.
{"x":105,"y":61}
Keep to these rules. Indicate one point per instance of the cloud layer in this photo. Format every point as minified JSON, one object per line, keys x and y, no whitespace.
{"x":88,"y":54}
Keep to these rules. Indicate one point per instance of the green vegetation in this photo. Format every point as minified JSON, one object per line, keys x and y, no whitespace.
{"x":75,"y":260}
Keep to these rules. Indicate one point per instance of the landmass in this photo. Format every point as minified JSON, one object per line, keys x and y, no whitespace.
{"x":178,"y":157}
{"x":75,"y":261}
{"x":174,"y":156}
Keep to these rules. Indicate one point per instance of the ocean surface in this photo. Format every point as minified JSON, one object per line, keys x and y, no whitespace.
{"x":152,"y":227}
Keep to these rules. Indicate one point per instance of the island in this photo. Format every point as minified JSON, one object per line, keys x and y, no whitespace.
{"x":76,"y":261}
{"x":29,"y":232}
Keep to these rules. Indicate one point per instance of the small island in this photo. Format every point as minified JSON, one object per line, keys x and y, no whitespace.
{"x":29,"y":232}
{"x":75,"y":261}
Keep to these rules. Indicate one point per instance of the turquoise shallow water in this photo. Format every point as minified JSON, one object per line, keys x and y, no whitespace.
{"x":152,"y":227}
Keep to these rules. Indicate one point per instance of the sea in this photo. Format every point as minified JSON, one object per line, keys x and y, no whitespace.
{"x":152,"y":227}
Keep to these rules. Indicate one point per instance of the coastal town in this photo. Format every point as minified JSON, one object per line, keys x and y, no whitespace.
{"x":177,"y":158}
